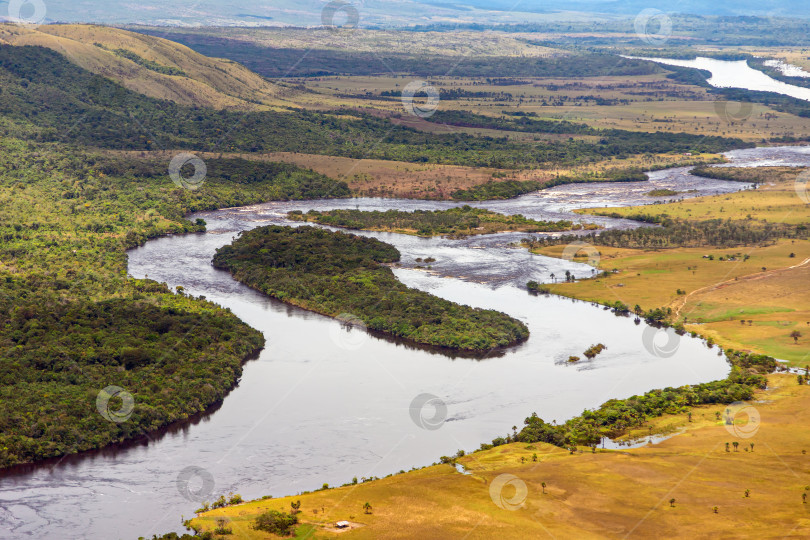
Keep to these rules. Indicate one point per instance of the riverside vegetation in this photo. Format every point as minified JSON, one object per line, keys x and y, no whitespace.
{"x":73,"y":323}
{"x":457,"y":222}
{"x":343,"y":275}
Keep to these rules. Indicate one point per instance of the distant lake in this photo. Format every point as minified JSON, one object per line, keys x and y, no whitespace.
{"x":736,"y":74}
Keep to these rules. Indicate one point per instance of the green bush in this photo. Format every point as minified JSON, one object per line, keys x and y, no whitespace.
{"x":275,"y":522}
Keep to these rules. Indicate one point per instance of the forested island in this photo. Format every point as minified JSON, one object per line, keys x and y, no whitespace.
{"x":455,"y":222}
{"x":336,"y":274}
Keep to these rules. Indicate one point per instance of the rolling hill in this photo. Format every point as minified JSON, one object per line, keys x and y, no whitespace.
{"x":154,"y":66}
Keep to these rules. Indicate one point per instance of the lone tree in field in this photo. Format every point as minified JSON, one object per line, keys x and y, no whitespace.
{"x":543,"y":484}
{"x":672,"y":503}
{"x":295,"y":506}
{"x":367,"y":508}
{"x":795,"y":335}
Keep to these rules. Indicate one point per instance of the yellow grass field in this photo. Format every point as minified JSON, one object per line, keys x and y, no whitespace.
{"x":607,"y":494}
{"x":719,"y":295}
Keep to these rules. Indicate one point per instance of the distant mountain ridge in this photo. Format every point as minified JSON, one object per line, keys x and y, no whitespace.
{"x":391,"y":13}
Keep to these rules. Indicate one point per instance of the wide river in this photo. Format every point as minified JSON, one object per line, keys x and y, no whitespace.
{"x":738,"y":74}
{"x":322,"y":403}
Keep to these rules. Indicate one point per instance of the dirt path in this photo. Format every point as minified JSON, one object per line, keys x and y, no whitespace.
{"x":681,"y":302}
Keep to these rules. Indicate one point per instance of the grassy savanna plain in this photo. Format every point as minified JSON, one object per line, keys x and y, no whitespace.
{"x":589,"y":494}
{"x":749,"y":297}
{"x":637,"y":103}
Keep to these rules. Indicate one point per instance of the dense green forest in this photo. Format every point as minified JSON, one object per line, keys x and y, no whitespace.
{"x":341,"y":274}
{"x":674,"y":232}
{"x":461,"y":221}
{"x":72,"y":323}
{"x":46,"y":98}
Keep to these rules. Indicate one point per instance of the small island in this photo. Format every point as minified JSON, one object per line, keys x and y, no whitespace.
{"x":454,"y":222}
{"x":336,"y":273}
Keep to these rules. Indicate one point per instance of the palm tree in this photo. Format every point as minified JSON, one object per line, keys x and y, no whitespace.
{"x":544,"y":489}
{"x":367,"y":507}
